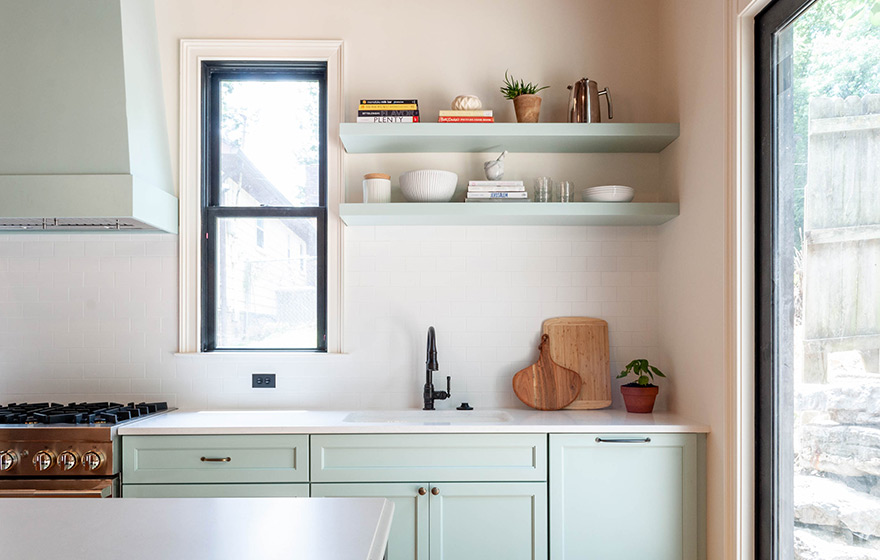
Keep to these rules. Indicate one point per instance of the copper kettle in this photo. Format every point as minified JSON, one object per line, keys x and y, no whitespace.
{"x":583,"y":103}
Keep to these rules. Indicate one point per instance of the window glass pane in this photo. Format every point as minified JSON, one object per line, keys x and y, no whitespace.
{"x":269,"y":140}
{"x":266,"y":274}
{"x":827,"y":251}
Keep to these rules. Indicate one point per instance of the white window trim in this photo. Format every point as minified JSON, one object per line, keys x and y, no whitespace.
{"x":192,"y":53}
{"x":739,"y":433}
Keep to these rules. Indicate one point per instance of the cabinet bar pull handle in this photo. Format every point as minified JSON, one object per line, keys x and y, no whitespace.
{"x":435,"y":491}
{"x":216,"y":459}
{"x":623,"y":440}
{"x":422,"y":491}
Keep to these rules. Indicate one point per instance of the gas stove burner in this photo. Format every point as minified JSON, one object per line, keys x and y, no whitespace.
{"x":76,"y":413}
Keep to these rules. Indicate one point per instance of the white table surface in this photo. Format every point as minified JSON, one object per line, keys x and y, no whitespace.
{"x":334,"y":422}
{"x":195,"y":528}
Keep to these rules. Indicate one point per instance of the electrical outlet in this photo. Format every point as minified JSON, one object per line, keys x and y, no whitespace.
{"x":263,"y":380}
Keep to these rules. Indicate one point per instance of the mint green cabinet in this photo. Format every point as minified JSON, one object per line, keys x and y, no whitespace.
{"x":435,"y":457}
{"x":459,"y":520}
{"x":215,"y":459}
{"x":215,"y":466}
{"x":512,"y":496}
{"x":409,"y":529}
{"x":628,"y":496}
{"x":476,"y":521}
{"x":215,"y":490}
{"x":482,"y":496}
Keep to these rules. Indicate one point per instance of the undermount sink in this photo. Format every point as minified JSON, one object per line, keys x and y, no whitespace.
{"x":430,"y":417}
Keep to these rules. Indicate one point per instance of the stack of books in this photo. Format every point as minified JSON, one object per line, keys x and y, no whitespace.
{"x":388,"y":111}
{"x":496,"y":191}
{"x":480,"y":115}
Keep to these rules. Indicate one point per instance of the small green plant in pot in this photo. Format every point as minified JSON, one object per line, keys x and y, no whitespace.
{"x":639,"y":395}
{"x":525,"y":101}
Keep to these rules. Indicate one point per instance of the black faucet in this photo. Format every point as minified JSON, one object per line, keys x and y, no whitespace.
{"x":430,"y":367}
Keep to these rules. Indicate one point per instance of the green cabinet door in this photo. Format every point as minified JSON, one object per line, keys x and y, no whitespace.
{"x":487,"y":520}
{"x":623,"y":497}
{"x":409,"y":528}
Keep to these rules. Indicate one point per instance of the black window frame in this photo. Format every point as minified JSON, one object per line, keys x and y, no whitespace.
{"x":772,"y":492}
{"x":213,"y":72}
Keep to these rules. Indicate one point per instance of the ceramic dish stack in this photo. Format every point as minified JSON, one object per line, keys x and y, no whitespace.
{"x":609,"y":193}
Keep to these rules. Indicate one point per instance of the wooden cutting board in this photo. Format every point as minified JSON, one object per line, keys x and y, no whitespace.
{"x":581,"y":344}
{"x":546,"y":385}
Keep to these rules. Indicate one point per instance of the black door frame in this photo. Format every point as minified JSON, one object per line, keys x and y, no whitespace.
{"x":772,"y":534}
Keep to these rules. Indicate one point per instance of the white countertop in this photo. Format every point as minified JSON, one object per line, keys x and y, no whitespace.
{"x":445,"y":421}
{"x":196,"y":528}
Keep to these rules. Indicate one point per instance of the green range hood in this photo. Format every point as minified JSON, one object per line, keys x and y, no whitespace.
{"x":83,"y":138}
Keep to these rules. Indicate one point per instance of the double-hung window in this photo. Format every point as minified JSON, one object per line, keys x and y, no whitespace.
{"x":264,"y":206}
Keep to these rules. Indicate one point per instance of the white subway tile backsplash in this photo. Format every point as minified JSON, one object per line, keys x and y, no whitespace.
{"x":11,"y":247}
{"x":646,"y":263}
{"x":41,"y":247}
{"x":100,"y":246}
{"x":602,"y":264}
{"x":129,"y":248}
{"x":95,"y":316}
{"x":161,"y":247}
{"x":68,"y":340}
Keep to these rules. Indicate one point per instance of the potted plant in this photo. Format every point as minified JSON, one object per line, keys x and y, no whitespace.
{"x":639,"y":395}
{"x":526,"y":104}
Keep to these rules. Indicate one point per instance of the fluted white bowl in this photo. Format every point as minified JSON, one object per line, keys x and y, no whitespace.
{"x":609,"y":193}
{"x":428,"y":185}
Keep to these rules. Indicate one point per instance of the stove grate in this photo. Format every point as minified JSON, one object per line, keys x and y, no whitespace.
{"x":76,"y":413}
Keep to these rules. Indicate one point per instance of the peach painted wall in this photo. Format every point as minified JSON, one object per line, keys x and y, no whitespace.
{"x":692,"y":247}
{"x":434,"y":51}
{"x":663,"y":60}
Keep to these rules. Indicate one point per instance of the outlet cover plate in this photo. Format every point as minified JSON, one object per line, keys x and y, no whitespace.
{"x":263,"y":380}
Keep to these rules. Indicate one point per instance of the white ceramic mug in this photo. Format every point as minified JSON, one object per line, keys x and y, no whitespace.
{"x":377,"y":187}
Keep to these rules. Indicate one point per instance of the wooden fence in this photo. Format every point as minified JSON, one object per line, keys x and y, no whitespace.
{"x":842,"y":233}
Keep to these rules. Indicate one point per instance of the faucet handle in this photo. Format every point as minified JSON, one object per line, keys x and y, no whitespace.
{"x":448,"y":386}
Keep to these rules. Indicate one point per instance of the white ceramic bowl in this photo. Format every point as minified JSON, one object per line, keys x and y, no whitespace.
{"x":428,"y":185}
{"x":609,"y":193}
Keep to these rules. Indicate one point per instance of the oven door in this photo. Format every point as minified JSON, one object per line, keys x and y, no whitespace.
{"x":58,"y":488}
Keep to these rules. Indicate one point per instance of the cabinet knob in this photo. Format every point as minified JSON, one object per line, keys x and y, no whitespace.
{"x":435,"y":491}
{"x":422,"y":491}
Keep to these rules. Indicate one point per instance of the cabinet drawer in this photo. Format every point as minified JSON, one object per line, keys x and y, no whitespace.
{"x":434,"y":457}
{"x":239,"y":458}
{"x":215,"y":490}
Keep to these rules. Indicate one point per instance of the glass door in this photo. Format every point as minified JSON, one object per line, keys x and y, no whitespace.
{"x":818,"y":279}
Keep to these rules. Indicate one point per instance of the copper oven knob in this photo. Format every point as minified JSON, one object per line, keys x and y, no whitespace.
{"x":7,"y":460}
{"x":43,"y":460}
{"x":67,"y":460}
{"x":92,"y":460}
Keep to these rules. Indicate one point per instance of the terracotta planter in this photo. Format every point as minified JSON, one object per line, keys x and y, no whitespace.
{"x":527,"y":107}
{"x":638,"y":398}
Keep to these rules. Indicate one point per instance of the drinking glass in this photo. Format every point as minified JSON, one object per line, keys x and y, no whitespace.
{"x":542,"y":189}
{"x":563,"y":191}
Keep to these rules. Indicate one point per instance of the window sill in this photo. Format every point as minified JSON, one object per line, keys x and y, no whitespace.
{"x":259,"y":354}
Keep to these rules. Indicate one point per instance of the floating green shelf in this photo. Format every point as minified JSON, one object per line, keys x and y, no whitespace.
{"x":509,"y":213}
{"x":378,"y":138}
